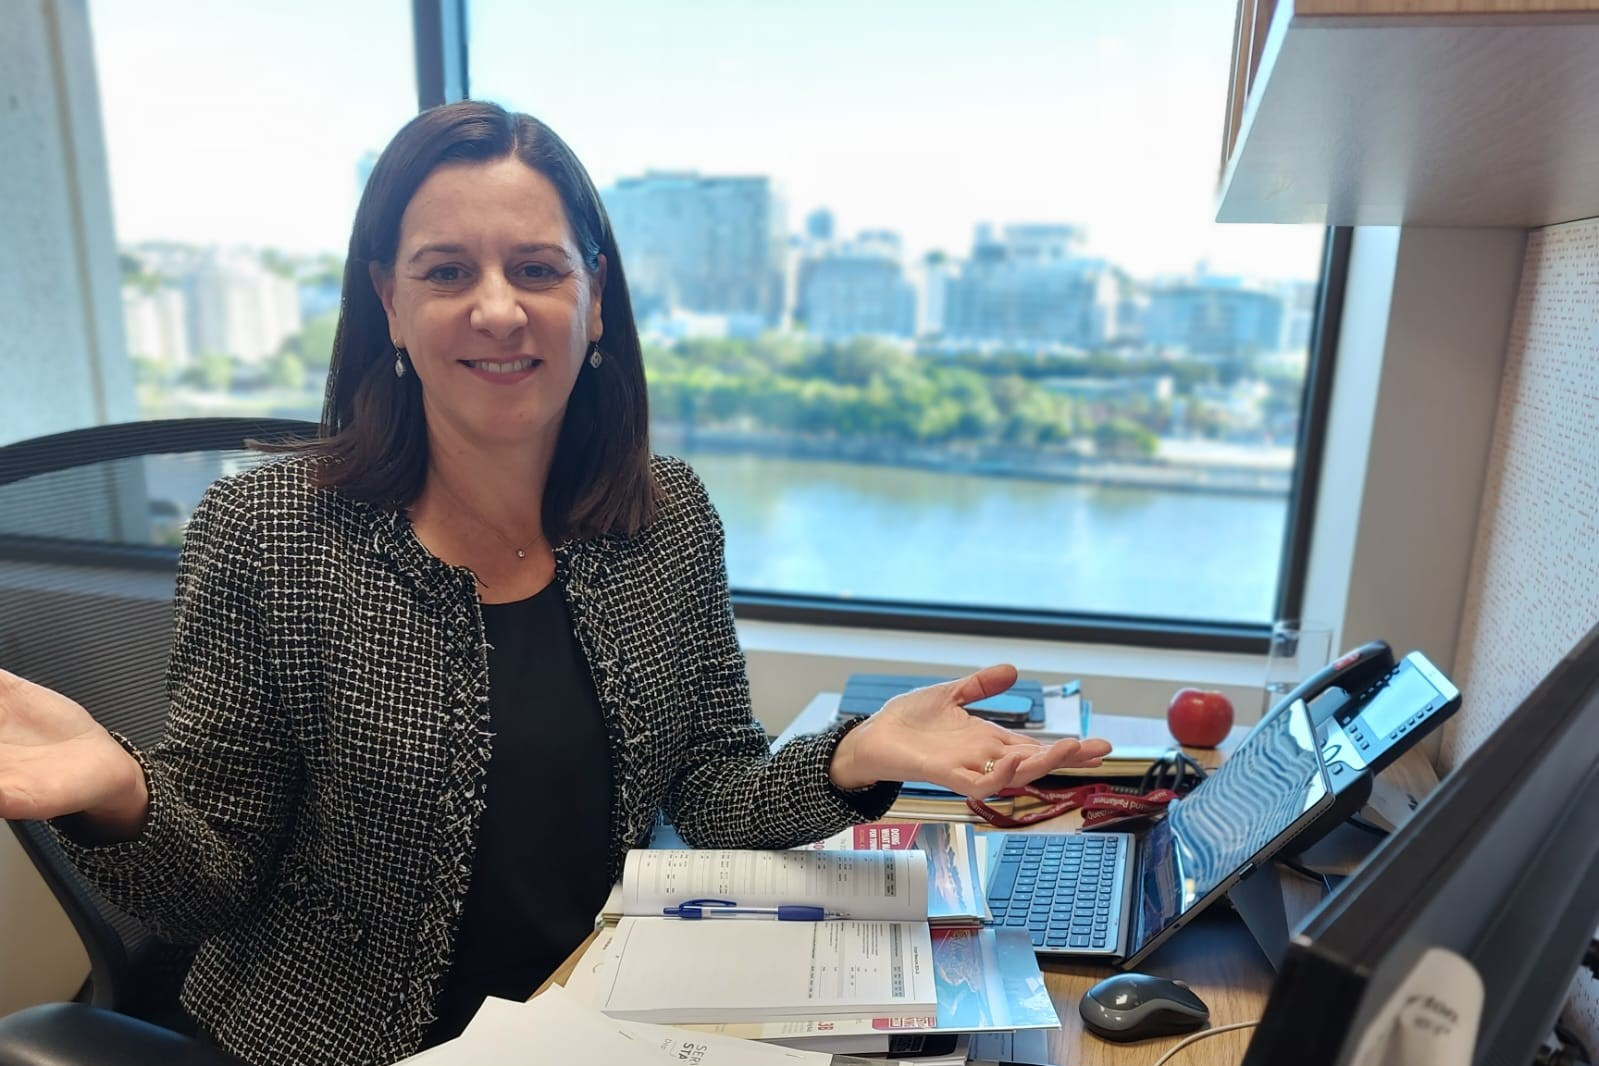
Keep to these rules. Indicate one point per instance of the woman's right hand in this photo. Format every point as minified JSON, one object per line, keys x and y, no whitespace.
{"x":55,"y":759}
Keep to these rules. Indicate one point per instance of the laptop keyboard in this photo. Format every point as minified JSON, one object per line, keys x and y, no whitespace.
{"x":1063,"y":888}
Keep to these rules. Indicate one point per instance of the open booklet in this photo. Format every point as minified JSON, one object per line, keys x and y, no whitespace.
{"x":954,"y":867}
{"x":871,"y":955}
{"x":954,"y":872}
{"x":862,"y":885}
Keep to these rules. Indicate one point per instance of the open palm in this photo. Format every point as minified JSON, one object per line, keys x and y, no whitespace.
{"x":928,"y":735}
{"x":55,"y":758}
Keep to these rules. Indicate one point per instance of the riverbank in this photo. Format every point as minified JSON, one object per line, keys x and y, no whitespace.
{"x":1234,"y":472}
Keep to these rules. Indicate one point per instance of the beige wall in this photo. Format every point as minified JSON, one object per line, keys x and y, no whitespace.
{"x":1534,"y":578}
{"x":43,"y":958}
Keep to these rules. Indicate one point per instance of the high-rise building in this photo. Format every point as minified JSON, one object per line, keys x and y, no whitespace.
{"x":936,"y":271}
{"x":1299,"y":313}
{"x":702,"y":243}
{"x":240,"y":308}
{"x":156,"y":323}
{"x":1214,"y":316}
{"x":1027,"y":285}
{"x":857,"y":288}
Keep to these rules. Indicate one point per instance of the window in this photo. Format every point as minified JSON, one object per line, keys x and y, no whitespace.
{"x":183,"y":198}
{"x":930,"y":293}
{"x":238,"y":138}
{"x":931,"y":297}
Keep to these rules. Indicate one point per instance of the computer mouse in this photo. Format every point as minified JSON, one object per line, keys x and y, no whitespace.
{"x":1137,"y":1006}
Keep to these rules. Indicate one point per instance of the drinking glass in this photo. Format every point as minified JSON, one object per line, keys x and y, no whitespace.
{"x":1298,"y":649}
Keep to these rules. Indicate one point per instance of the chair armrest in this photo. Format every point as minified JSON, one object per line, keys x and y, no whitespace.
{"x":76,"y":1034}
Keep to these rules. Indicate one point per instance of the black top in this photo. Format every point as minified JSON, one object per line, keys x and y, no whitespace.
{"x":539,"y":873}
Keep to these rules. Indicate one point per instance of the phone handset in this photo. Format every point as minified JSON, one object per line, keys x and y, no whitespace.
{"x":1327,"y":690}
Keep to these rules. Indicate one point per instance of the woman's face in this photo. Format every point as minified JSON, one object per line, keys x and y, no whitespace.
{"x":491,"y":300}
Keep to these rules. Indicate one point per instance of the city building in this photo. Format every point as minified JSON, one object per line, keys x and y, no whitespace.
{"x":701,"y":243}
{"x":855,"y":288}
{"x":936,"y":270}
{"x":1214,"y":316}
{"x":1299,"y":313}
{"x":240,"y":308}
{"x":1027,"y":285}
{"x":155,"y":322}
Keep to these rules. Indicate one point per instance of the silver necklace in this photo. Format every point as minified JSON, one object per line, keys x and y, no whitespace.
{"x":521,"y":553}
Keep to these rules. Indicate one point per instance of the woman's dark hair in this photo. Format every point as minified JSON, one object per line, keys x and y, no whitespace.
{"x":374,"y":431}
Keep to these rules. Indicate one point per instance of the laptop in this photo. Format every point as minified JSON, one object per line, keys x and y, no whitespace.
{"x":1120,"y":896}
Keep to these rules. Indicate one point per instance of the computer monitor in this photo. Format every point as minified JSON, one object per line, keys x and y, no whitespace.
{"x":1499,"y":865}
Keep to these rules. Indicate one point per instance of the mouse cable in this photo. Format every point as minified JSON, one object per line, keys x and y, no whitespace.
{"x":1195,"y":1038}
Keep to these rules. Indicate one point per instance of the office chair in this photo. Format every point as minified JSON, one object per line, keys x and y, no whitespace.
{"x":90,"y":523}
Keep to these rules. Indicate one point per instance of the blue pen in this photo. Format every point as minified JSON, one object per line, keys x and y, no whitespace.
{"x":726,"y":908}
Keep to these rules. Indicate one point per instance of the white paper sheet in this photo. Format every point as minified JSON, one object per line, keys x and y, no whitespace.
{"x":665,"y":970}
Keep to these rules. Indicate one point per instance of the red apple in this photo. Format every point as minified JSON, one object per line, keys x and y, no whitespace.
{"x":1199,"y":718}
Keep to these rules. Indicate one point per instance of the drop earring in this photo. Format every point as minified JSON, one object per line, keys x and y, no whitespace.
{"x":596,"y":357}
{"x":399,"y":362}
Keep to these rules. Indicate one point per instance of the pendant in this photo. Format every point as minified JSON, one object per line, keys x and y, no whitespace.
{"x":520,"y":554}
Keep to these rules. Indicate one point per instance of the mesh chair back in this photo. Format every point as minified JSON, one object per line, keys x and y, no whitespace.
{"x":90,"y":524}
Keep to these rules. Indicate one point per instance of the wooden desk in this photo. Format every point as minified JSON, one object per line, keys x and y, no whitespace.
{"x":1215,"y":955}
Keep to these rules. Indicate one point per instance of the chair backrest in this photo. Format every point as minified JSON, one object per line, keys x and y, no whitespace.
{"x":90,"y":524}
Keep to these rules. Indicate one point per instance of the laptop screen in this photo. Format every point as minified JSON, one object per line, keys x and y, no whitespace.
{"x":1267,"y":790}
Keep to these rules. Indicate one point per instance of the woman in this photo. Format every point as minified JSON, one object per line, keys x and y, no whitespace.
{"x":433,"y":675}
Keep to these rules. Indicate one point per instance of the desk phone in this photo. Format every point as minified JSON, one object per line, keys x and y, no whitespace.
{"x":1379,"y":724}
{"x":1369,"y":710}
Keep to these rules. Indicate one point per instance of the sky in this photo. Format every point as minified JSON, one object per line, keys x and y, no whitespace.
{"x":243,"y":123}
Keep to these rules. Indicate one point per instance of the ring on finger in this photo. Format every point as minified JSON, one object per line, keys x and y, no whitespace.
{"x":988,"y":767}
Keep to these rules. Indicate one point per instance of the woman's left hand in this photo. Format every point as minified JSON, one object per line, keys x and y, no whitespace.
{"x":928,"y":735}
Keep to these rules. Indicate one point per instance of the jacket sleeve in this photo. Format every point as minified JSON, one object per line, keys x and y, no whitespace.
{"x":732,"y":791}
{"x":224,"y":780}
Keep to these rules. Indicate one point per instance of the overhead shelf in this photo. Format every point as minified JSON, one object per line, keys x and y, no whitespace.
{"x":1440,"y":119}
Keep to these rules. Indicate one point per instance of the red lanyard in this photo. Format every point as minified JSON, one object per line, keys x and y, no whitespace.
{"x":1102,"y":805}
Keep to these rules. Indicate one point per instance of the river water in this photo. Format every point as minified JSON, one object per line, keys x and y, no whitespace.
{"x":881,"y":532}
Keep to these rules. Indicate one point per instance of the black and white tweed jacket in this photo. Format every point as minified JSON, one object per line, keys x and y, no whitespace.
{"x":314,"y":804}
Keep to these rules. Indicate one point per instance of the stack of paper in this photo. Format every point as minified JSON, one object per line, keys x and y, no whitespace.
{"x":662,"y":969}
{"x":557,"y":1027}
{"x":986,"y":980}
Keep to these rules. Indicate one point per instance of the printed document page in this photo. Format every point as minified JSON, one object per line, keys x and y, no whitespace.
{"x":954,"y":879}
{"x":664,"y":970}
{"x":558,"y":1027}
{"x":540,"y":1032}
{"x":713,"y":1049}
{"x":867,"y":885}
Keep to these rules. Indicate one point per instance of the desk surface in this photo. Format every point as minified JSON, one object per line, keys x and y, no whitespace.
{"x":1215,"y":955}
